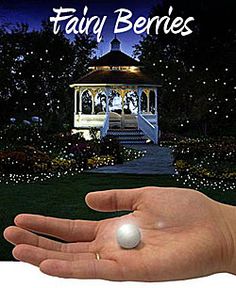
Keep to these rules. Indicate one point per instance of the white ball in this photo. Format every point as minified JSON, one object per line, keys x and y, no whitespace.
{"x":128,"y":236}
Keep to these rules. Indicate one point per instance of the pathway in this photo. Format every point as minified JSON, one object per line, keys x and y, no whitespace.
{"x":158,"y":160}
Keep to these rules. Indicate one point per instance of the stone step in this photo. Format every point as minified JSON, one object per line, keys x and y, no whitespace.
{"x":133,"y":138}
{"x":128,"y":136}
{"x":143,"y":142}
{"x":125,"y":132}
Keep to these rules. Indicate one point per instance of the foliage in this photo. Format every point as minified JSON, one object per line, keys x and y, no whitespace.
{"x":98,"y":161}
{"x":36,"y":70}
{"x":29,"y":153}
{"x":27,"y":159}
{"x":62,"y":164}
{"x":93,"y":132}
{"x":197,"y":72}
{"x":111,"y":146}
{"x":206,"y":158}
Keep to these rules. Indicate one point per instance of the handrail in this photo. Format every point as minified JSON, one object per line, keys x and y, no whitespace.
{"x":150,"y":116}
{"x":148,"y":128}
{"x":105,"y":127}
{"x":89,"y":121}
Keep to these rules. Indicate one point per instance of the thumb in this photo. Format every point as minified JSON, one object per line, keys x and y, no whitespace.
{"x":114,"y":200}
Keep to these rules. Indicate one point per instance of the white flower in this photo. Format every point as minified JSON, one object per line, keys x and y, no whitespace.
{"x":13,"y":120}
{"x":26,"y":122}
{"x":35,"y":119}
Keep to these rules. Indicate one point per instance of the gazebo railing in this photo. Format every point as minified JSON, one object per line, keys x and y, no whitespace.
{"x":89,"y":121}
{"x":152,"y":118}
{"x":105,"y":127}
{"x":149,"y":129}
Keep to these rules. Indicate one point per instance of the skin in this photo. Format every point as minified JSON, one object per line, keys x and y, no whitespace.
{"x":184,"y":235}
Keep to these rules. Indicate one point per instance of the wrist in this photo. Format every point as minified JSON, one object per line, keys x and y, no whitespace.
{"x":229,"y":215}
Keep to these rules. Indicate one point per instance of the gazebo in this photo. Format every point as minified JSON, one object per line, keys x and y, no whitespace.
{"x":117,"y":96}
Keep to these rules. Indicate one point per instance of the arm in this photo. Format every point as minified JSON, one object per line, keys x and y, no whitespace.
{"x":229,"y":215}
{"x":184,"y":235}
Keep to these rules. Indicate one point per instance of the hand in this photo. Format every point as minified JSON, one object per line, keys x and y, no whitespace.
{"x":184,"y":235}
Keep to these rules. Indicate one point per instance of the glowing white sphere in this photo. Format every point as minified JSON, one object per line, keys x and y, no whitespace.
{"x":128,"y":236}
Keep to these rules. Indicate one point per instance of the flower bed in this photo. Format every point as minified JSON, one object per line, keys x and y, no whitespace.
{"x":205,"y":162}
{"x":29,"y":154}
{"x":98,"y":161}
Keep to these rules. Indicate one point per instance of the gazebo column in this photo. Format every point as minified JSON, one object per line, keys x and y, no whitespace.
{"x":123,"y":92}
{"x":147,"y":93}
{"x":75,"y":106}
{"x":80,"y":100}
{"x":93,"y":94}
{"x":93,"y":105}
{"x":76,"y":101}
{"x":148,"y":103}
{"x":156,"y":101}
{"x":140,"y":92}
{"x":123,"y":106}
{"x":108,"y":91}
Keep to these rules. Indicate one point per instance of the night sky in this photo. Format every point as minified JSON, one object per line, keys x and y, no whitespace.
{"x":34,"y":11}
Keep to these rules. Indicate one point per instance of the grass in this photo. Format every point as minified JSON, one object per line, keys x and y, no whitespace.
{"x":64,"y":198}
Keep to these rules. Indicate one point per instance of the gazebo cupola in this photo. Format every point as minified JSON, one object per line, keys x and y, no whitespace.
{"x":115,"y":45}
{"x":117,"y":93}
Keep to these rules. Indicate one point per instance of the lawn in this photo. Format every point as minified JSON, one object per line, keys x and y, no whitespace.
{"x":65,"y":198}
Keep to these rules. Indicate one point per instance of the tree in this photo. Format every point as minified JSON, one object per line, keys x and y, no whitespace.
{"x":37,"y":69}
{"x":198,"y":71}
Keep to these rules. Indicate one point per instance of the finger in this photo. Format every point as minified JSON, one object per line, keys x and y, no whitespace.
{"x":35,"y":255}
{"x":84,"y":269}
{"x":67,"y":230}
{"x":114,"y":200}
{"x":16,"y":236}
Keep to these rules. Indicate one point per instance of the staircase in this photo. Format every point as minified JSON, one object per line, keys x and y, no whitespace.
{"x":128,"y":136}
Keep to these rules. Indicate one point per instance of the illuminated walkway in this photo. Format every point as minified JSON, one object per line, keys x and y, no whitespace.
{"x":158,"y":160}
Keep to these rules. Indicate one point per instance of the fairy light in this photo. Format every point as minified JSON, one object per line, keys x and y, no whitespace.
{"x":65,"y":162}
{"x":197,"y":175}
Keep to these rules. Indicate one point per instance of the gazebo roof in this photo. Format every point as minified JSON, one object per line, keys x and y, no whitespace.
{"x":115,"y":59}
{"x":131,"y":74}
{"x":117,"y":77}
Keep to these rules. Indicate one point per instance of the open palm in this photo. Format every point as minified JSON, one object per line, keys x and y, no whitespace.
{"x":183,"y":236}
